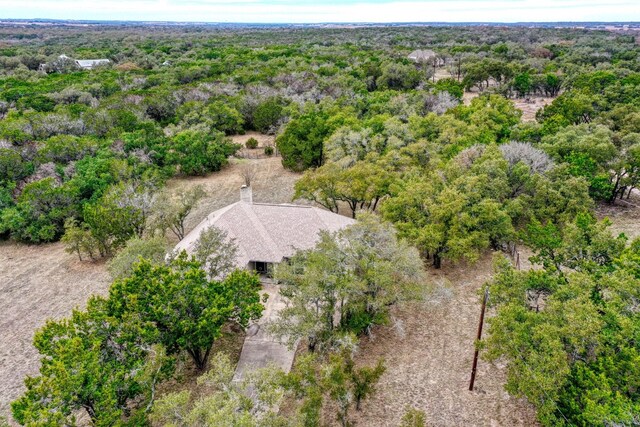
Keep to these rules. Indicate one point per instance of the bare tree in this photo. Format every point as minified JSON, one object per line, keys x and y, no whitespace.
{"x":170,"y":212}
{"x":248,"y":172}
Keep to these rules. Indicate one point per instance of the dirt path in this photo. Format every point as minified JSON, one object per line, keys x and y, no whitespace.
{"x":530,"y":108}
{"x":37,"y":283}
{"x":260,"y":349}
{"x":428,"y":366}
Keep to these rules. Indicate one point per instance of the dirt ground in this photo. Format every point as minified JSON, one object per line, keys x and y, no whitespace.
{"x":624,"y":215}
{"x":429,"y":363}
{"x":37,"y":283}
{"x":531,"y":106}
{"x":271,"y":183}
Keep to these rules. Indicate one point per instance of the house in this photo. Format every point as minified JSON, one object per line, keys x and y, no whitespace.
{"x":87,"y":64}
{"x":265,"y":233}
{"x":425,"y":56}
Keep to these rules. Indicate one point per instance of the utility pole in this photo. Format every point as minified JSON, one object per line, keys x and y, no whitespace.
{"x":478,"y":338}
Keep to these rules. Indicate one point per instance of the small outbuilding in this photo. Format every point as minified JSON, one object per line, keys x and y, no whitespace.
{"x":427,"y":55}
{"x":87,"y":64}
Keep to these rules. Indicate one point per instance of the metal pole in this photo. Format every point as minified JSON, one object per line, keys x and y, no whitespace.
{"x":478,"y":338}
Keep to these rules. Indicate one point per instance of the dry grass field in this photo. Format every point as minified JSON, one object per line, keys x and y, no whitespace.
{"x":531,"y":106}
{"x":37,"y":283}
{"x":271,"y":184}
{"x":624,"y":216}
{"x":429,"y":363}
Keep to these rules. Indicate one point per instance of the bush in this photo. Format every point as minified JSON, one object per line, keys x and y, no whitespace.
{"x":267,"y":114}
{"x":251,"y":143}
{"x":153,"y":249}
{"x":268,"y":150}
{"x":40,"y":211}
{"x":196,"y":153}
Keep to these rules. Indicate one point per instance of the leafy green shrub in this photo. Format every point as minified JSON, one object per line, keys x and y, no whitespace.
{"x":196,"y":153}
{"x":40,"y":211}
{"x":301,"y":143}
{"x":12,"y":166}
{"x":251,"y":143}
{"x":153,"y":250}
{"x":267,"y":114}
{"x":268,"y":150}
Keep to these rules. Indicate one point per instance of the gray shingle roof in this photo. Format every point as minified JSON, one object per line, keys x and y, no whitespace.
{"x":91,"y":63}
{"x":422,"y":55}
{"x":268,"y":232}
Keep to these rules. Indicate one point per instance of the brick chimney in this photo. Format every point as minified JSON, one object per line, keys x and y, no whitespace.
{"x":246,"y":195}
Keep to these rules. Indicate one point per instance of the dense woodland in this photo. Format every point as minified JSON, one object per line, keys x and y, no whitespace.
{"x":85,"y":154}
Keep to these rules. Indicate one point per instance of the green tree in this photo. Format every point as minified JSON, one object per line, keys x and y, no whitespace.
{"x":301,"y":143}
{"x":455,"y":215}
{"x":523,"y":83}
{"x":92,"y":362}
{"x":360,"y":186}
{"x":346,"y":283}
{"x":41,"y":210}
{"x":197,"y":153}
{"x":216,"y":252}
{"x":313,"y":379}
{"x":567,"y":330}
{"x":252,"y":402}
{"x":590,"y":152}
{"x":348,"y":385}
{"x":267,"y":114}
{"x":225,"y":118}
{"x":450,"y":85}
{"x":120,"y":214}
{"x":186,"y":309}
{"x":171,"y":211}
{"x":153,"y":249}
{"x":12,"y":166}
{"x":78,"y":239}
{"x":398,"y":76}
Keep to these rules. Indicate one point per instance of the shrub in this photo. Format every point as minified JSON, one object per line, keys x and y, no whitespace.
{"x":268,"y":150}
{"x":251,"y":143}
{"x":197,"y":153}
{"x":267,"y":114}
{"x":153,"y":250}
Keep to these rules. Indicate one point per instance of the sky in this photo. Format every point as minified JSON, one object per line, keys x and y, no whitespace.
{"x":306,"y":11}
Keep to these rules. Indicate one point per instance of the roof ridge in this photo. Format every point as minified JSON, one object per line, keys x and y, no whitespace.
{"x":264,"y":234}
{"x":284,"y":205}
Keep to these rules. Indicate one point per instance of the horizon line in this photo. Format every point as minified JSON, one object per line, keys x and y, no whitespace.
{"x":88,"y":20}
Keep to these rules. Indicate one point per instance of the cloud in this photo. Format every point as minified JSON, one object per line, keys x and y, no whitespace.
{"x":325,"y":11}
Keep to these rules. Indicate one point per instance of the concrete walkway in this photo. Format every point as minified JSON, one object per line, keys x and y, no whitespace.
{"x":260,"y":349}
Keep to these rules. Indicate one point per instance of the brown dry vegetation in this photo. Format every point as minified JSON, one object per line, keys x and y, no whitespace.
{"x":429,"y":364}
{"x":530,"y":108}
{"x":624,"y":215}
{"x":37,"y":282}
{"x":271,"y":184}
